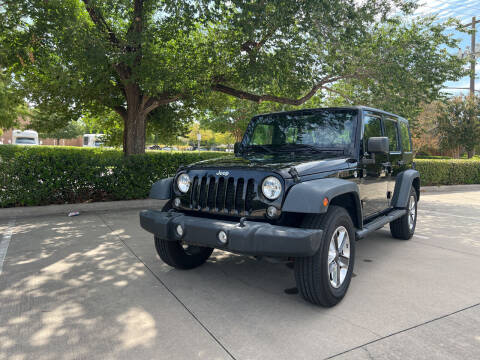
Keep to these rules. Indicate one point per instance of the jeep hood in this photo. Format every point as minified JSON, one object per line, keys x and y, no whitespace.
{"x":305,"y":165}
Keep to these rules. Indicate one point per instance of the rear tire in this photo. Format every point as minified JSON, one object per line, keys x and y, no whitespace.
{"x":404,"y":227}
{"x":175,"y":254}
{"x":324,"y":277}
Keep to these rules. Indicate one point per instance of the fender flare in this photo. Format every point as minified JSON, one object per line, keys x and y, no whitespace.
{"x":403,"y":184}
{"x":162,"y":189}
{"x":307,"y":197}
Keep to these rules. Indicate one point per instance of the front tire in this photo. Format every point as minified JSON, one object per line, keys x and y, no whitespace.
{"x":404,"y":227}
{"x":180,"y":256}
{"x":323,"y":278}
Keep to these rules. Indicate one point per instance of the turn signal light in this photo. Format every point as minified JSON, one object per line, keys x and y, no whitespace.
{"x":325,"y":202}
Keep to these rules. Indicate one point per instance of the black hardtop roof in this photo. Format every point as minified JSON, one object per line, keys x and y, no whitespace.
{"x":354,"y":107}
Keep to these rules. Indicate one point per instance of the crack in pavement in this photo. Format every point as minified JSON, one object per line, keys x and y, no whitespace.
{"x":448,"y":215}
{"x":402,"y":331}
{"x":5,"y":241}
{"x":447,"y":249}
{"x":168,"y":289}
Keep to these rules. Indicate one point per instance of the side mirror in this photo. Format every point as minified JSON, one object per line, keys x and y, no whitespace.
{"x":378,"y":145}
{"x":237,"y":148}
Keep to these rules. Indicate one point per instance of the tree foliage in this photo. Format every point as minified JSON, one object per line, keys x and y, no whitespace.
{"x":11,"y":103}
{"x":405,"y":65}
{"x":459,"y":124}
{"x":135,"y":56}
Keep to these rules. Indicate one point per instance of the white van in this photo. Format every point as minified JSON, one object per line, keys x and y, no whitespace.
{"x":92,"y":140}
{"x":26,"y":137}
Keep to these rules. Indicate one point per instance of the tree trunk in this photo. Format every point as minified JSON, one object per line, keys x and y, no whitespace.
{"x":134,"y":133}
{"x":471,"y":153}
{"x":134,"y":122}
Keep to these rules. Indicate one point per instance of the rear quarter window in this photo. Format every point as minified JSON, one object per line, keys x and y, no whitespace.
{"x":391,"y":133}
{"x":406,"y":145}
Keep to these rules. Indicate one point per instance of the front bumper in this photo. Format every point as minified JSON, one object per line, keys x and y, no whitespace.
{"x":253,"y":238}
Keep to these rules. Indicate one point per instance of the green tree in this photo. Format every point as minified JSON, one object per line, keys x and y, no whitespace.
{"x":406,"y":64}
{"x":134,"y":56}
{"x":11,"y":103}
{"x":459,"y":124}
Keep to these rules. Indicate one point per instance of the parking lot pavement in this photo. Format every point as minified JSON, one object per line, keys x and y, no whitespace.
{"x":93,"y":287}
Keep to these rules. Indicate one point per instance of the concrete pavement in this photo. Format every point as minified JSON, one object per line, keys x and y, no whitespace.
{"x":92,"y":287}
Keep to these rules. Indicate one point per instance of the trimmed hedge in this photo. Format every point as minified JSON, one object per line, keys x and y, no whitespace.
{"x":40,"y":175}
{"x":448,"y":172}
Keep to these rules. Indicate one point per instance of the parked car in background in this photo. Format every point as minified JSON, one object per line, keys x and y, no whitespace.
{"x":93,"y":140}
{"x":26,"y":137}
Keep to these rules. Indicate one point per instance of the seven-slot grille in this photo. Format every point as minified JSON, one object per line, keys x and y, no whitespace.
{"x":222,"y":194}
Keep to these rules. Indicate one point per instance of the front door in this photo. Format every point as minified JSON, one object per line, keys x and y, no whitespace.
{"x":373,"y":177}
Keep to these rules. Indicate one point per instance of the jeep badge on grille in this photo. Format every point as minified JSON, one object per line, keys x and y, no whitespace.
{"x":222,"y":173}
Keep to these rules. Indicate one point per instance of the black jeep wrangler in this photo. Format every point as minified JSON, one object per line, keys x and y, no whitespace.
{"x":303,"y":186}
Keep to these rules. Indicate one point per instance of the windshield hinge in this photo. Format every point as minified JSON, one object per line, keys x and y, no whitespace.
{"x":294,"y":173}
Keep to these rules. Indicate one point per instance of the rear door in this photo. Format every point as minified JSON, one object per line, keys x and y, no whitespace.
{"x":395,"y":157}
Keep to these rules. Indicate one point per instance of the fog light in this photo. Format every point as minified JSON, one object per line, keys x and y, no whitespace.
{"x":179,"y":230}
{"x":272,"y":212}
{"x":177,"y":202}
{"x":222,"y":237}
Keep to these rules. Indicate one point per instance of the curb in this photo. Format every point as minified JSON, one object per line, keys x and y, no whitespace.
{"x":449,"y":188}
{"x":64,"y":209}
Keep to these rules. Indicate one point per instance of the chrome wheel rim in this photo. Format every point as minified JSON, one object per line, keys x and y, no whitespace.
{"x":412,"y":212}
{"x":338,"y":257}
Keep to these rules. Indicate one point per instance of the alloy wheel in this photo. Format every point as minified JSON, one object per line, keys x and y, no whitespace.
{"x":338,"y":256}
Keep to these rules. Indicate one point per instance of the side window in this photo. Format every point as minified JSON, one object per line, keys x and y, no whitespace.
{"x":406,"y":146}
{"x":372,"y":127}
{"x":392,"y":134}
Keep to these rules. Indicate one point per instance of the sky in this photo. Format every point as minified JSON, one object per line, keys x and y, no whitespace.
{"x":462,"y":10}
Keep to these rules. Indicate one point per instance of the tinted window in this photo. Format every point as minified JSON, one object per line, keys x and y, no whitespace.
{"x":25,"y":140}
{"x":85,"y":140}
{"x":391,"y":133}
{"x":372,"y":127}
{"x":320,"y":128}
{"x":405,"y":137}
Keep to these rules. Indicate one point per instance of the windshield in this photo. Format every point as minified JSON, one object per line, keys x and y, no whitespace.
{"x":25,"y":140}
{"x":329,"y":129}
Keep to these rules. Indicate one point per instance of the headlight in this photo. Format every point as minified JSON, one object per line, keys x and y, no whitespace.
{"x":271,"y":188}
{"x":183,"y":183}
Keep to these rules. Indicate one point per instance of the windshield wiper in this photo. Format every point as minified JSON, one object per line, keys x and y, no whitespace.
{"x":314,"y":148}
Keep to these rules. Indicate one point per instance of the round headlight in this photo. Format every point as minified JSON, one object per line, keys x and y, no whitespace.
{"x":183,"y":183}
{"x":271,"y":188}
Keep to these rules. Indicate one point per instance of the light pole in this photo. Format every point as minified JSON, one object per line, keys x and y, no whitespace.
{"x":199,"y":137}
{"x":472,"y":54}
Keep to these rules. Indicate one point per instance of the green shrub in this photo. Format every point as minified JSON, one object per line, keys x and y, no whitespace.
{"x":40,"y":175}
{"x":448,"y":172}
